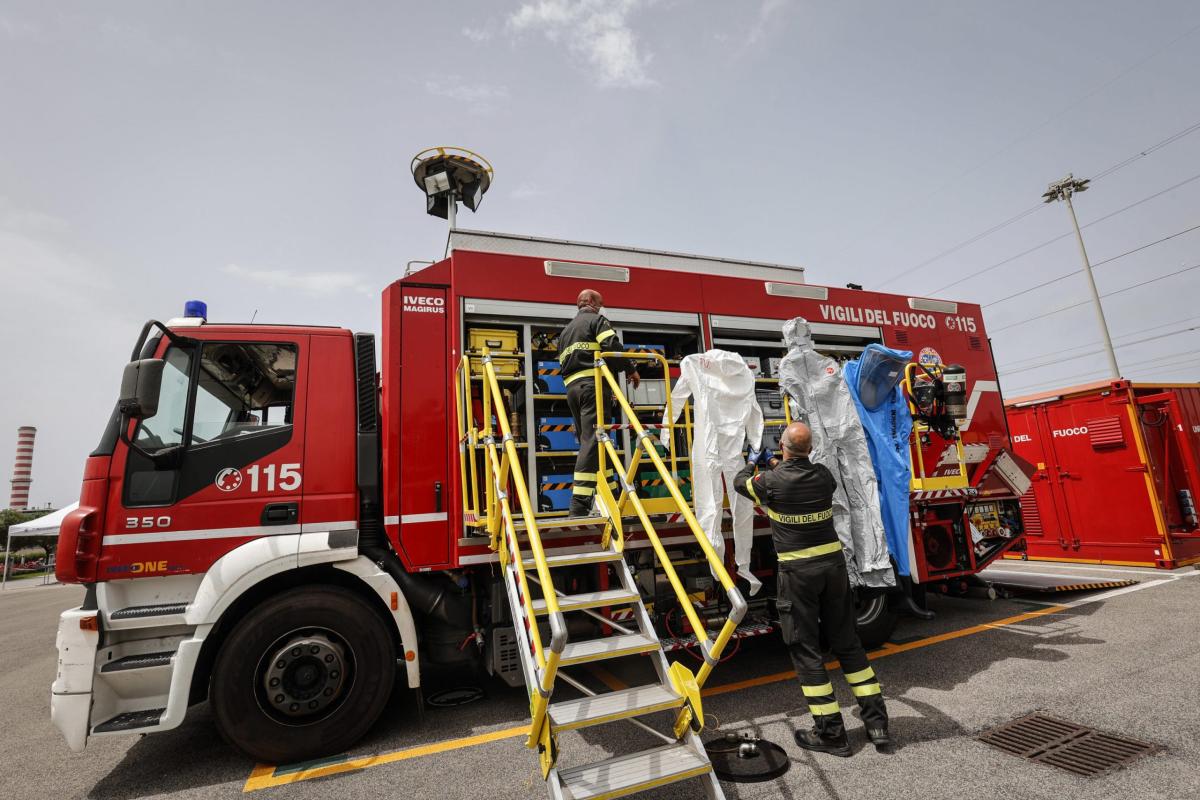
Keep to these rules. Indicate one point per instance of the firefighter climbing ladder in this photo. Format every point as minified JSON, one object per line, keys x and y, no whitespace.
{"x":681,"y":756}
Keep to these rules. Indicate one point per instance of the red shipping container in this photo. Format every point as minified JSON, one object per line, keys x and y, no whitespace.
{"x":1117,"y":472}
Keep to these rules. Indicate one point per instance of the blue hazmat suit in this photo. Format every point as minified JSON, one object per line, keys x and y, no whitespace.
{"x":874,"y":382}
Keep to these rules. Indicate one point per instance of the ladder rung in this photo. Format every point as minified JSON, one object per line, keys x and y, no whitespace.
{"x":609,"y":647}
{"x":616,"y":777}
{"x":577,"y":602}
{"x":575,"y":559}
{"x":612,"y":706}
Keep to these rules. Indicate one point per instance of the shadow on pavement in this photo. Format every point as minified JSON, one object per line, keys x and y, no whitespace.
{"x":195,"y":756}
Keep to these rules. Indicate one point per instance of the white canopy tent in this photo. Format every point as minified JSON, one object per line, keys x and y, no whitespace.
{"x":47,"y":525}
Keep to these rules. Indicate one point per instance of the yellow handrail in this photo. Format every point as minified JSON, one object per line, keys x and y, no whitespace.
{"x":710,"y":649}
{"x":467,"y":441}
{"x":502,"y":465}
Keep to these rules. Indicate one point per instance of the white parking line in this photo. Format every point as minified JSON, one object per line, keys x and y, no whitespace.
{"x":1097,"y":598}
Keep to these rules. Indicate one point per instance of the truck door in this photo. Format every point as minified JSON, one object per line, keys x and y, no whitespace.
{"x":1097,"y":471}
{"x":1173,"y":465}
{"x":1038,"y":510}
{"x":220,"y":463}
{"x":424,"y":420}
{"x":1056,"y":471}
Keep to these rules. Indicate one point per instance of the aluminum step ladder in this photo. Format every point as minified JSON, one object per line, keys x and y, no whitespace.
{"x":679,"y":758}
{"x":540,"y":628}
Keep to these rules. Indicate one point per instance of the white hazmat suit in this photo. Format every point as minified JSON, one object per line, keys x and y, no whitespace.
{"x":726,"y":414}
{"x":819,"y":397}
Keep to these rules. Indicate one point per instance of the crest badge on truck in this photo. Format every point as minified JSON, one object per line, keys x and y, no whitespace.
{"x":929,"y":357}
{"x":228,"y":479}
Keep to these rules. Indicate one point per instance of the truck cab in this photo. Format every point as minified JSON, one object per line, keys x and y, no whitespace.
{"x":220,"y":507}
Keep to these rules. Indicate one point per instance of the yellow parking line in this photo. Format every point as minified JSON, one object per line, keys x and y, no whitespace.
{"x":888,"y":650}
{"x":264,"y":775}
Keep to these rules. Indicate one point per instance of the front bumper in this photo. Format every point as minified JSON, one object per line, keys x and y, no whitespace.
{"x":71,"y":693}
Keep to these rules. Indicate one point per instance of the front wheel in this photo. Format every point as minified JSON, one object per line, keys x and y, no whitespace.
{"x":876,"y":618}
{"x":303,"y":675}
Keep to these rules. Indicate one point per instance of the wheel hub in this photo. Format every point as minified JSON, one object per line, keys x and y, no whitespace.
{"x":304,"y":676}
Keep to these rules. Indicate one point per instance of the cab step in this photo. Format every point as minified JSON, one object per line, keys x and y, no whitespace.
{"x":624,"y":775}
{"x":131,"y":720}
{"x":139,"y":661}
{"x":575,"y":559}
{"x":141,"y":612}
{"x":611,"y":706}
{"x":578,"y":602}
{"x":609,"y":647}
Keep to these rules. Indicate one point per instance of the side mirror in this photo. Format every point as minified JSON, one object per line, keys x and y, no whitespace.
{"x":140,"y":384}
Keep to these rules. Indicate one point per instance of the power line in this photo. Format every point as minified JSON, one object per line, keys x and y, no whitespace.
{"x":1018,"y":217}
{"x":1094,"y":352}
{"x":1019,"y":361}
{"x":1097,"y":264}
{"x":1170,"y":139}
{"x":966,"y":243}
{"x":1060,"y":237}
{"x":1098,"y":372}
{"x":1085,"y":302}
{"x":1175,"y":365}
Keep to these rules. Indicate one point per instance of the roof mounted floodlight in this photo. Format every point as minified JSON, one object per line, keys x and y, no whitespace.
{"x":449,"y":175}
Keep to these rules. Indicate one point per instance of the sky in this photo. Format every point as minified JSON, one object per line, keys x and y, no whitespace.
{"x":256,"y":155}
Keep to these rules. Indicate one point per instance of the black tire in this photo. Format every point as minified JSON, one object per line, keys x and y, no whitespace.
{"x":876,"y":618}
{"x":344,"y":632}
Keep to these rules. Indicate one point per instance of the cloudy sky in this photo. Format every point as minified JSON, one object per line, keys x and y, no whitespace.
{"x":255,"y":155}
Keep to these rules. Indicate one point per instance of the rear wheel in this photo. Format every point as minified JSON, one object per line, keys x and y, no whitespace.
{"x":303,"y":675}
{"x":876,"y":618}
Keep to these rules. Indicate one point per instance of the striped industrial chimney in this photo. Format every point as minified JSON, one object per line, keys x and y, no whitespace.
{"x":22,"y":467}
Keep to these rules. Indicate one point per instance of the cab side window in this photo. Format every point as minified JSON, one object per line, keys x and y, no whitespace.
{"x":243,"y":390}
{"x":147,"y":483}
{"x":231,"y":403}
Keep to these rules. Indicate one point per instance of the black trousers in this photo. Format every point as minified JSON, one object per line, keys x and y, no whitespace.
{"x":814,"y":597}
{"x":581,"y":399}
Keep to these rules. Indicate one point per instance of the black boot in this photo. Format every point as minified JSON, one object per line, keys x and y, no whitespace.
{"x":580,"y":507}
{"x":881,"y":739}
{"x":817,"y":741}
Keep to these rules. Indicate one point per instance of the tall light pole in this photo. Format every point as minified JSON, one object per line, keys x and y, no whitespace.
{"x":1063,"y":190}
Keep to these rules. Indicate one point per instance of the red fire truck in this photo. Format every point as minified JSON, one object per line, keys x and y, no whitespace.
{"x":273,"y":525}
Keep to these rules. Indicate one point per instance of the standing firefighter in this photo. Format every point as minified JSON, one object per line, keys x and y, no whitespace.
{"x":584,"y":336}
{"x":814,"y":591}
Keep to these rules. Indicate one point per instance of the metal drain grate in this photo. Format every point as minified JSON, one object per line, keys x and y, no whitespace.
{"x":1075,"y":748}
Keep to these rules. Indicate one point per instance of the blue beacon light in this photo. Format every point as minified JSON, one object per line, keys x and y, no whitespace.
{"x":196,"y":308}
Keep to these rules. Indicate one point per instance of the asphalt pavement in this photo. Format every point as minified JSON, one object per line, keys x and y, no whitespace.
{"x":1120,"y":660}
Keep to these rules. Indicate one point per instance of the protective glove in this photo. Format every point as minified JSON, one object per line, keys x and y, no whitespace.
{"x":664,"y":438}
{"x":753,"y":456}
{"x":765,"y":457}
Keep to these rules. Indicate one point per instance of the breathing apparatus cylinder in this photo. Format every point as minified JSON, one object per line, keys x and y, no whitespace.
{"x":954,"y":378}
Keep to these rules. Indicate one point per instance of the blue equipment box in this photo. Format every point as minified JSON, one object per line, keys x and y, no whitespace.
{"x":550,"y":378}
{"x":556,"y":433}
{"x":554,"y":492}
